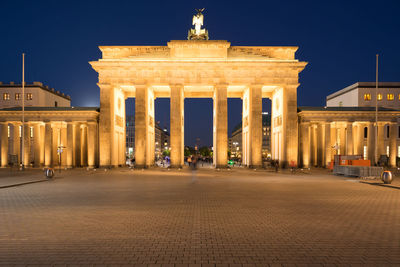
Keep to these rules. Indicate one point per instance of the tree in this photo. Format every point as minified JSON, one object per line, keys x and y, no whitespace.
{"x":205,"y":151}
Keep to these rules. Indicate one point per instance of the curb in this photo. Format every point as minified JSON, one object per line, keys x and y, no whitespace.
{"x":14,"y":185}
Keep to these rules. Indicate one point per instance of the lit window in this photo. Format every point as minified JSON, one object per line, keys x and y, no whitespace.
{"x":20,"y":131}
{"x":367,"y":97}
{"x":8,"y":131}
{"x":398,"y":151}
{"x":6,"y":96}
{"x":387,"y":151}
{"x":31,"y":131}
{"x":399,"y":96}
{"x":365,"y":152}
{"x":29,"y":96}
{"x":18,"y":96}
{"x":390,"y":97}
{"x":379,"y":97}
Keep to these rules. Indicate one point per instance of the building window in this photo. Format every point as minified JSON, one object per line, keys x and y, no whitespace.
{"x":31,"y":131}
{"x":17,"y":96}
{"x":20,"y":131}
{"x":390,"y":97}
{"x":367,"y":97}
{"x":387,"y":151}
{"x":398,"y":132}
{"x":399,"y":96}
{"x":365,"y":155}
{"x":8,"y":131}
{"x":379,"y":97}
{"x":6,"y":96}
{"x":365,"y":132}
{"x":55,"y":103}
{"x":398,"y":151}
{"x":29,"y":96}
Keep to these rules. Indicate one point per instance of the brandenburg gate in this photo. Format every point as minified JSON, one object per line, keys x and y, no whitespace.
{"x":198,"y":68}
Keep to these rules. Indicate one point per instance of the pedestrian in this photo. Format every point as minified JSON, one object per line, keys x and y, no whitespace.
{"x":189,"y":160}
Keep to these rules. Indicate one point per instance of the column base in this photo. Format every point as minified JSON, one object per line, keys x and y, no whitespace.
{"x":221,"y":166}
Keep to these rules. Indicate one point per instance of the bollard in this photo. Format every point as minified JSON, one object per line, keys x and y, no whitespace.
{"x":49,"y":173}
{"x":387,"y":177}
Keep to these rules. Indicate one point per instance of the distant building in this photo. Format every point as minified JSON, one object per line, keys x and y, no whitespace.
{"x":130,"y":136}
{"x":36,"y":95}
{"x":161,"y":138}
{"x":235,"y":141}
{"x":363,"y":94}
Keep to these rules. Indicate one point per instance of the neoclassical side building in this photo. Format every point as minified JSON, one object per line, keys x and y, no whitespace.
{"x":47,"y":130}
{"x":328,"y":131}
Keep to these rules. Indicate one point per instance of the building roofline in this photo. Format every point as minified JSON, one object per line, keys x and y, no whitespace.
{"x":344,"y":109}
{"x":363,"y":85}
{"x":52,"y":109}
{"x":35,"y":85}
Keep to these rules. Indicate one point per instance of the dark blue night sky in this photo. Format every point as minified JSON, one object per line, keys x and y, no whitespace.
{"x":339,"y":39}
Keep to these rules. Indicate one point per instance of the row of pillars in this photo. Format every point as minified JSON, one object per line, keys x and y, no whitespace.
{"x":320,"y":141}
{"x":42,"y":142}
{"x":144,"y":126}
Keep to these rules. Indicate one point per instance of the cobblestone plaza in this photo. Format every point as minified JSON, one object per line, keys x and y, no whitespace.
{"x":200,"y":218}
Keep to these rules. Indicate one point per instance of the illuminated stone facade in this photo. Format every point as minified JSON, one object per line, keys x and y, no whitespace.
{"x":329,"y":131}
{"x":47,"y":129}
{"x":198,"y":68}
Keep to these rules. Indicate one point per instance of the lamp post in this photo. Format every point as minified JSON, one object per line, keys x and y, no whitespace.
{"x":23,"y":112}
{"x":376,"y":111}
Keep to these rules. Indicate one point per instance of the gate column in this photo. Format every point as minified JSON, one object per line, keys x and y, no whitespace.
{"x":289,"y":125}
{"x":252,"y":127}
{"x":177,"y":126}
{"x":144,"y":127}
{"x":220,"y":126}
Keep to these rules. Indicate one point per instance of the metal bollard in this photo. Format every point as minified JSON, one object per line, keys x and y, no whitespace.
{"x":387,"y":177}
{"x":49,"y":173}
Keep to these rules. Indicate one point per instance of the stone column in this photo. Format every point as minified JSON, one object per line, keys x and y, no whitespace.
{"x":106,"y":124}
{"x":177,"y":126}
{"x":220,"y":126}
{"x":48,"y":142}
{"x":381,"y":139}
{"x":63,"y":142}
{"x":305,"y":143}
{"x":70,"y":145}
{"x":4,"y":144}
{"x":333,"y":139}
{"x":84,"y":152}
{"x":393,"y":144}
{"x":349,"y":139}
{"x":342,"y":137}
{"x":78,"y":147}
{"x":16,"y":142}
{"x":371,"y":143}
{"x":55,"y":144}
{"x":144,"y":127}
{"x":255,"y":126}
{"x":27,"y":145}
{"x":289,"y":124}
{"x":91,"y":144}
{"x":42,"y":143}
{"x":36,"y":143}
{"x":320,"y":144}
{"x":327,"y":144}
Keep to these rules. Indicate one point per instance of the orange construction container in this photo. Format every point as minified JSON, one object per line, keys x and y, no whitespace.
{"x":361,"y":162}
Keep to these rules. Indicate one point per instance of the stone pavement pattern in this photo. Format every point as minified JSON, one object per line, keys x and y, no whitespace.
{"x":204,"y":218}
